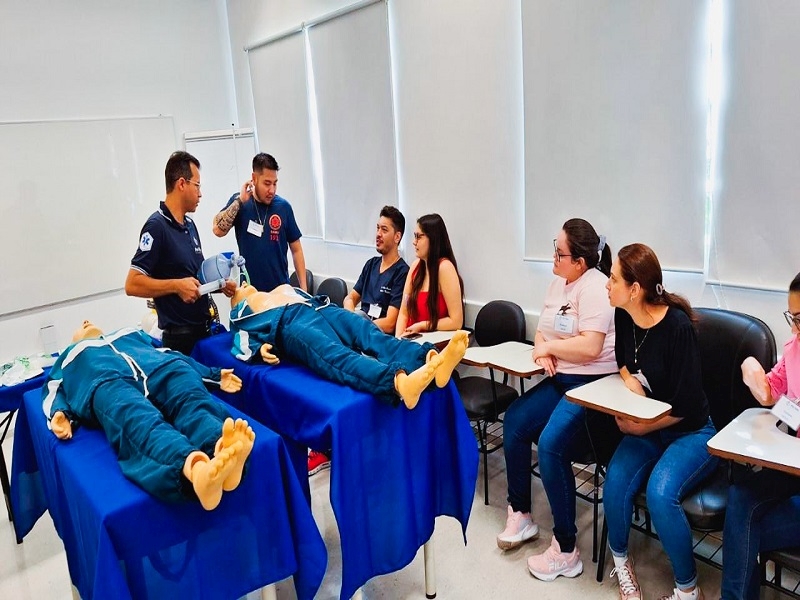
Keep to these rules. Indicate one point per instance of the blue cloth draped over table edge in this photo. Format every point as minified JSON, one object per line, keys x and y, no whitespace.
{"x":393,"y":470}
{"x":123,"y":543}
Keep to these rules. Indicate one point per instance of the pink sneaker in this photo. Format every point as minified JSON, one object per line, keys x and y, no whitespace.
{"x":519,"y":529}
{"x":628,"y":584}
{"x":553,"y":562}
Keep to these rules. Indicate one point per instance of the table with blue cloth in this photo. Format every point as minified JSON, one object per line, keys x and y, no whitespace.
{"x":393,"y":470}
{"x":123,"y":543}
{"x":10,"y":401}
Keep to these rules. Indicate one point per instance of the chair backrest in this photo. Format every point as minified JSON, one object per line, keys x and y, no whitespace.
{"x":726,"y":338}
{"x":309,"y":281}
{"x":335,"y":288}
{"x":499,"y":321}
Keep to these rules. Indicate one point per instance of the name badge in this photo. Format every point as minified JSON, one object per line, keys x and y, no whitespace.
{"x":564,"y":324}
{"x":788,"y":412}
{"x":374,"y":311}
{"x":255,"y":228}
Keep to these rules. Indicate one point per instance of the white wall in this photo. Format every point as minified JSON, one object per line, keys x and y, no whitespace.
{"x":459,"y":115}
{"x":100,"y":58}
{"x":458,"y":98}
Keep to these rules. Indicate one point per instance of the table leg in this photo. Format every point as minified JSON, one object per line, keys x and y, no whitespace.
{"x":269,"y":592}
{"x":430,"y":569}
{"x":5,"y":485}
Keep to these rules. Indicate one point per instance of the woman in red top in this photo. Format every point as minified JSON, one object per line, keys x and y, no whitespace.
{"x":434,"y":293}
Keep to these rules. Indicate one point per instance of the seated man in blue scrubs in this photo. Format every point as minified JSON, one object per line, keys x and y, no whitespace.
{"x":330,"y":341}
{"x":378,"y":292}
{"x":171,"y":437}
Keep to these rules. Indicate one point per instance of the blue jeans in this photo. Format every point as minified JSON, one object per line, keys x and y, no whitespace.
{"x":767,"y":508}
{"x":572,"y":433}
{"x":330,"y":341}
{"x":153,"y":436}
{"x":671,"y":464}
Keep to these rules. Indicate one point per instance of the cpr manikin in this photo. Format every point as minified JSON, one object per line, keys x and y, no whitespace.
{"x":171,"y":436}
{"x":337,"y":344}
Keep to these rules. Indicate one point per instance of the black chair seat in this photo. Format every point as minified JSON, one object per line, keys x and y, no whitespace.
{"x":476,"y":394}
{"x":705,"y":506}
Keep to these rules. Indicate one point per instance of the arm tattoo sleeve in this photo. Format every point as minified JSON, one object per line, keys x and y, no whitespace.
{"x":224,"y":219}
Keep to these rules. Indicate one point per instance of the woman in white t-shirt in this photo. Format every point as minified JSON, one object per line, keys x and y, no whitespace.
{"x":574,"y":344}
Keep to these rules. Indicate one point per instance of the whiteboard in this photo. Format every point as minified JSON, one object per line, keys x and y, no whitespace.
{"x":73,"y":197}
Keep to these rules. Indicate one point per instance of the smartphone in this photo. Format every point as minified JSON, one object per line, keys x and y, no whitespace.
{"x":412,"y":335}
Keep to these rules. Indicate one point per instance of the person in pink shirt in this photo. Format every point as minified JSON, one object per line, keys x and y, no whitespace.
{"x":574,"y":344}
{"x":763,"y":511}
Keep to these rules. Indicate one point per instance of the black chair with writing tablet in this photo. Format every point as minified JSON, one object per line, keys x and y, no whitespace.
{"x":485,"y":399}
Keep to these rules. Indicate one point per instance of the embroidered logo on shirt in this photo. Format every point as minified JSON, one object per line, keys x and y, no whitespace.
{"x":275,"y":222}
{"x":146,"y":242}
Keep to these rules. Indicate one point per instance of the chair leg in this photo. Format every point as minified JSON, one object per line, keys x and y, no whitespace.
{"x":603,"y":545}
{"x":482,"y":438}
{"x":595,"y":496}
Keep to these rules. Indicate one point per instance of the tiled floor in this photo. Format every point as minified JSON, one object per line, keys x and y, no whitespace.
{"x":37,"y":568}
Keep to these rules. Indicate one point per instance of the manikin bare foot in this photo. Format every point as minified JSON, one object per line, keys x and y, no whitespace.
{"x":233,"y":432}
{"x":208,"y":474}
{"x":451,"y":356}
{"x":411,"y":386}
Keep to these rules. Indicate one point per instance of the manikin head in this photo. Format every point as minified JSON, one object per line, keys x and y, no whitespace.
{"x":86,"y":331}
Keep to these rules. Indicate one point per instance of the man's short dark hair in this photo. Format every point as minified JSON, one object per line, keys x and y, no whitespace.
{"x":262,"y":161}
{"x":396,"y":217}
{"x":179,"y":165}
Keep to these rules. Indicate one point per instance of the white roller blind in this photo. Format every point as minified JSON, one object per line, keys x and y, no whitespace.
{"x":756,"y":215}
{"x":280,"y":98}
{"x":352,"y":79}
{"x":615,"y":123}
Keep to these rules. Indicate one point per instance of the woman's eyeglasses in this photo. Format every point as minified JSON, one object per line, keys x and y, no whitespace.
{"x":792,"y":320}
{"x":418,"y":235}
{"x":557,"y":254}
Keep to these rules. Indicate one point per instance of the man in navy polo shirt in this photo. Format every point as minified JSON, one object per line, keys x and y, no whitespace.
{"x":265,"y":227}
{"x":169,"y":256}
{"x":379,"y":289}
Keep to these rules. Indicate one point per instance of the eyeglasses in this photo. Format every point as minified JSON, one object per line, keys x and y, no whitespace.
{"x":558,"y":255}
{"x":792,"y":320}
{"x":417,"y":236}
{"x":192,"y":182}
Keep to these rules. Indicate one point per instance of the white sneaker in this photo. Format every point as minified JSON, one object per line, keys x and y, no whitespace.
{"x":519,"y":529}
{"x":553,"y":562}
{"x":695,"y":594}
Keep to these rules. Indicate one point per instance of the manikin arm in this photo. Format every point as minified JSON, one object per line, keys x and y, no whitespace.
{"x":268,"y":357}
{"x":61,"y":426}
{"x":228,"y":382}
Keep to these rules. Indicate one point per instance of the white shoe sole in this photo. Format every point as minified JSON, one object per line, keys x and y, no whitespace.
{"x":318,"y":468}
{"x":529,"y":533}
{"x":573,"y":572}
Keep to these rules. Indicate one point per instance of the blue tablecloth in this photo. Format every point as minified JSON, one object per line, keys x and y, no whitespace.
{"x":123,"y":543}
{"x":393,"y":470}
